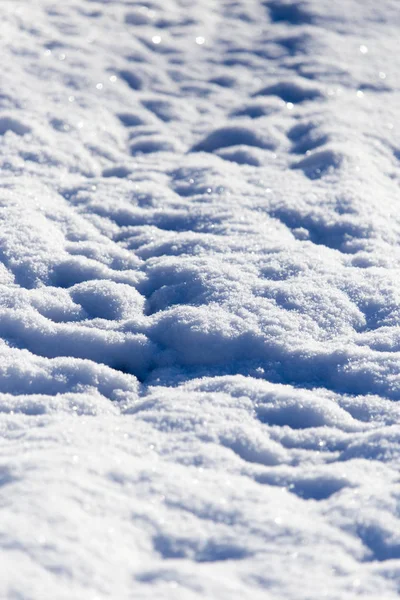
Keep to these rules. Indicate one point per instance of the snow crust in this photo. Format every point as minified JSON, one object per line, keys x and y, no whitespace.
{"x":199,"y":300}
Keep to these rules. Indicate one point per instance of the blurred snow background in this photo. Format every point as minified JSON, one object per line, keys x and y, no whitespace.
{"x":199,"y":299}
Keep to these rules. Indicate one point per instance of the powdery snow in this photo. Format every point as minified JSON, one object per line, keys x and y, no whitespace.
{"x":199,"y":300}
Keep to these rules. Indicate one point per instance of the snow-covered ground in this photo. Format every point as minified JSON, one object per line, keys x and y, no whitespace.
{"x":199,"y":299}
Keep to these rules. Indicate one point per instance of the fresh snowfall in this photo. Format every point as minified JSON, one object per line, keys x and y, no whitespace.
{"x":200,"y":299}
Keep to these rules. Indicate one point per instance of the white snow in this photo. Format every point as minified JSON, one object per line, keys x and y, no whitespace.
{"x":199,"y":299}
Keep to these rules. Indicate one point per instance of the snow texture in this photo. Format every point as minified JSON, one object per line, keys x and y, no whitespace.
{"x":199,"y":299}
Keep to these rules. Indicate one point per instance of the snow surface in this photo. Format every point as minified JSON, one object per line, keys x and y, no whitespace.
{"x":200,"y":299}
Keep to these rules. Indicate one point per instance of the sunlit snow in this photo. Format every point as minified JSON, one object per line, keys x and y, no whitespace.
{"x":199,"y":299}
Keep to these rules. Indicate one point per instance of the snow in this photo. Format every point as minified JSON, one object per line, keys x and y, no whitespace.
{"x":199,"y":300}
